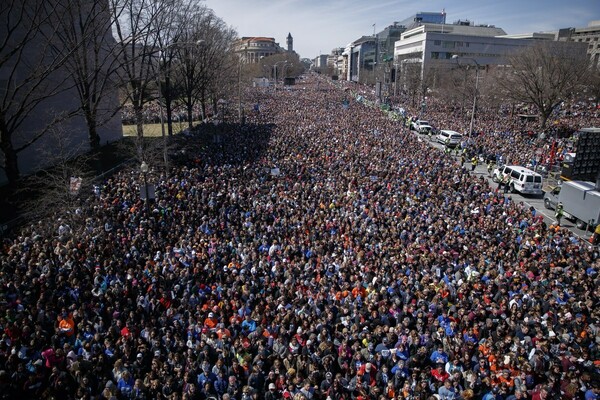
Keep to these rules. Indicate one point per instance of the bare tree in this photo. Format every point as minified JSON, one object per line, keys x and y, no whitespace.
{"x":57,"y":188}
{"x":202,"y":66}
{"x":168,"y":39}
{"x":416,"y":82}
{"x":545,"y":74}
{"x":592,"y":83}
{"x":138,"y":25}
{"x":28,"y":75}
{"x":84,"y":31}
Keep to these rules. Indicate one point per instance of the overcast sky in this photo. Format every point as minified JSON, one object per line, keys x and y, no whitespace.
{"x":318,"y":26}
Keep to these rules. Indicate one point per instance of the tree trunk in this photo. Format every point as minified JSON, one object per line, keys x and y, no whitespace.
{"x":190,"y":117}
{"x":93,"y":136}
{"x":203,"y":104}
{"x":139,"y":120}
{"x":543,"y":120}
{"x":168,"y":98}
{"x":11,"y":163}
{"x":169,"y":111}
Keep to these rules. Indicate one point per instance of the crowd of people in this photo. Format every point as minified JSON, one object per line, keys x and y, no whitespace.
{"x":512,"y":134}
{"x":151,"y":113}
{"x":320,"y":251}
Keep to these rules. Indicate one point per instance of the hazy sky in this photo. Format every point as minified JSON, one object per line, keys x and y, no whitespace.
{"x":318,"y":26}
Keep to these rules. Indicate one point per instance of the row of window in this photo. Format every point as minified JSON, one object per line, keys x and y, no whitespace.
{"x":446,"y":55}
{"x":448,"y":44}
{"x":261,"y":44}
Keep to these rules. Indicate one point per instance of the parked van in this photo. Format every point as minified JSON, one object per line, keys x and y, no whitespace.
{"x":521,"y":179}
{"x":449,"y":138}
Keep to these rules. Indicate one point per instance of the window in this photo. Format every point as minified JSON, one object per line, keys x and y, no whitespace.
{"x":437,"y":42}
{"x":435,"y":55}
{"x":448,"y":45}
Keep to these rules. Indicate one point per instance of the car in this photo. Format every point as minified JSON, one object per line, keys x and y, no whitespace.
{"x":521,"y":179}
{"x":425,"y":129}
{"x":416,"y":125}
{"x":449,"y":138}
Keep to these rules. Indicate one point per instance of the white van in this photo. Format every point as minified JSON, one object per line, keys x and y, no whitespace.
{"x":449,"y":138}
{"x":521,"y":179}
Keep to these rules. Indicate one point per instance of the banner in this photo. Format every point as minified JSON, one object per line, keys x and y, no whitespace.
{"x":75,"y":185}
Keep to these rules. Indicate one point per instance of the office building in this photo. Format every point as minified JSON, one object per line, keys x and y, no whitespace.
{"x":590,"y":35}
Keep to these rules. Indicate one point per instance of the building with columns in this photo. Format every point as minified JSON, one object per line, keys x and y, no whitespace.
{"x":253,"y":48}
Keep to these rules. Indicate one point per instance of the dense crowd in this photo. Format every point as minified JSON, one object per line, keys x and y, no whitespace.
{"x":319,"y":252}
{"x":509,"y":134}
{"x":151,"y":113}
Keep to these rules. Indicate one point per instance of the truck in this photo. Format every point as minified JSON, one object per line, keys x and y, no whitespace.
{"x":580,"y":201}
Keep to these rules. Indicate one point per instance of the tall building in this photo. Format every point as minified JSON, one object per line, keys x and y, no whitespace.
{"x":362,"y":59}
{"x":428,"y":42}
{"x":290,"y":43}
{"x":589,"y":35}
{"x":56,"y":121}
{"x":423,"y":17}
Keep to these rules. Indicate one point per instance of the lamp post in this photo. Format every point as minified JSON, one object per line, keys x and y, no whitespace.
{"x":474,"y":94}
{"x":275,"y":66}
{"x":144,"y":170}
{"x":162,"y":124}
{"x":396,"y":78}
{"x":241,"y":61}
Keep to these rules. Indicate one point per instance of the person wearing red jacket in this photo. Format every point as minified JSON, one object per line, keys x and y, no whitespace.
{"x":368,"y":372}
{"x":439,"y":374}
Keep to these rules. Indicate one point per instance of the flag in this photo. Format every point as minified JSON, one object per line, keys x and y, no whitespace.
{"x":75,"y":185}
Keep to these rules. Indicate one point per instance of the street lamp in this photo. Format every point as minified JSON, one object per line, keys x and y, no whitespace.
{"x":275,"y":66}
{"x":396,"y":78}
{"x":456,"y":57}
{"x":144,"y":170}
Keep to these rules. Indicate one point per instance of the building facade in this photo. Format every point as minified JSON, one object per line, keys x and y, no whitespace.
{"x":589,"y":35}
{"x":55,"y":120}
{"x":253,"y":48}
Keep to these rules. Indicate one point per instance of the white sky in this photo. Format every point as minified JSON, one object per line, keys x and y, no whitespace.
{"x":318,"y":26}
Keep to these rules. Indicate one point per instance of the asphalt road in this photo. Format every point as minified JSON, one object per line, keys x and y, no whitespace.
{"x":536,"y":201}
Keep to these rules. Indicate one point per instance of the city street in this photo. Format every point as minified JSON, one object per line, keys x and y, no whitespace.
{"x":536,"y":201}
